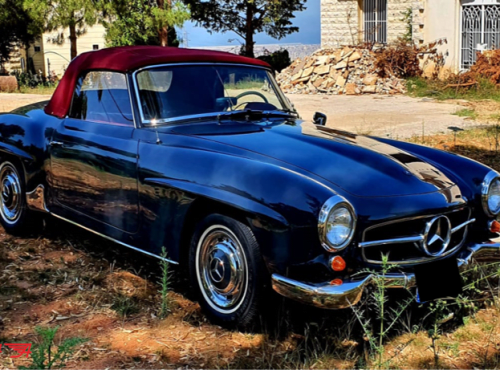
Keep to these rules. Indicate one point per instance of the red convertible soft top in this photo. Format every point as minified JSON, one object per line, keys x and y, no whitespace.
{"x":129,"y":58}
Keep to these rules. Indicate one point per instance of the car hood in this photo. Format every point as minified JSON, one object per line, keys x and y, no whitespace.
{"x":360,"y":165}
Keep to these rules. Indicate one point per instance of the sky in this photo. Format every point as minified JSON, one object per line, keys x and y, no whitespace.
{"x":308,"y":22}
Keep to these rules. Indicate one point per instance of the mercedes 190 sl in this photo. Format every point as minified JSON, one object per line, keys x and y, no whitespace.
{"x":201,"y":153}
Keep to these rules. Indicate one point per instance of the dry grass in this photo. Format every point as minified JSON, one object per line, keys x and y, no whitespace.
{"x":40,"y":90}
{"x":99,"y":291}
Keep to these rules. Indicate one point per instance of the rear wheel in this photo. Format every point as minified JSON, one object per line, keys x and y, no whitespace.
{"x":15,"y":217}
{"x":226,"y":270}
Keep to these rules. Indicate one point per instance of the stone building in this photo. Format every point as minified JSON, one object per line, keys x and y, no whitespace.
{"x":467,"y":25}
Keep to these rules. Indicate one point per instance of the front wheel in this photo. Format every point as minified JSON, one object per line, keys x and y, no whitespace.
{"x":226,"y":270}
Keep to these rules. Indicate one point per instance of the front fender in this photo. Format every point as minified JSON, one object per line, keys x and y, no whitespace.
{"x":282,"y":205}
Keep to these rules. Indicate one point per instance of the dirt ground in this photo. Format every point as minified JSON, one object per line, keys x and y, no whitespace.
{"x":9,"y":102}
{"x":379,"y":115}
{"x":395,"y":116}
{"x":109,"y":295}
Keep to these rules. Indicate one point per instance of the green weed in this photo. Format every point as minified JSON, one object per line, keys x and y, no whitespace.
{"x":165,"y":283}
{"x":421,"y":87}
{"x":467,"y":113}
{"x":124,"y":306}
{"x":46,"y":355}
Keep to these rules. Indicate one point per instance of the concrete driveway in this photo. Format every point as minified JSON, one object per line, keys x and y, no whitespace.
{"x":9,"y":102}
{"x":393,"y":116}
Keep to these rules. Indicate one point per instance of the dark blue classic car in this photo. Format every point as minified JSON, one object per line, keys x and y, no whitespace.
{"x":201,"y":152}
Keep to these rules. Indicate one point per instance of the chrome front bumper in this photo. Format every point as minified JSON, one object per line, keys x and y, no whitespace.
{"x":328,"y":296}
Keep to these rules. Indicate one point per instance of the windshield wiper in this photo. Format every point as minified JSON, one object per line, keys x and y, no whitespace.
{"x":254,"y":115}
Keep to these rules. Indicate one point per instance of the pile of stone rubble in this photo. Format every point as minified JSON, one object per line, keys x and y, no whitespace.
{"x":349,"y":71}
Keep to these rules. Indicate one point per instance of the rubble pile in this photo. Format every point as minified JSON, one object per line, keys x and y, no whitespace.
{"x":349,"y":71}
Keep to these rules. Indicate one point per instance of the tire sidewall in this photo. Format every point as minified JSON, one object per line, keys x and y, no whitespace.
{"x":8,"y":226}
{"x":248,"y":307}
{"x":28,"y":222}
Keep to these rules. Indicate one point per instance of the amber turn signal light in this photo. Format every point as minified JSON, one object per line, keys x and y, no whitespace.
{"x":336,"y":282}
{"x":338,"y":263}
{"x":495,"y":227}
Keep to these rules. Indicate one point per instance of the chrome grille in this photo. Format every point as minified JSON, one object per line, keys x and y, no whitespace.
{"x":402,"y":239}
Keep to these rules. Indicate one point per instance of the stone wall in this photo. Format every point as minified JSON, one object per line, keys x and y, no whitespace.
{"x":339,"y":23}
{"x":342,"y":21}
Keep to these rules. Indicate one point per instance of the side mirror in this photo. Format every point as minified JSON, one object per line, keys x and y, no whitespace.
{"x":319,"y":119}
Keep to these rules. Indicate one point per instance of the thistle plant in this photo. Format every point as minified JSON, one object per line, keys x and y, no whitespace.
{"x":386,"y":319}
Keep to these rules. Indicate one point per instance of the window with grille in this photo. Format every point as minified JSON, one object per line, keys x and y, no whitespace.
{"x":480,"y":31}
{"x":375,"y":18}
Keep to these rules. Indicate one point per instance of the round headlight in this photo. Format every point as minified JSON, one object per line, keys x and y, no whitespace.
{"x":336,"y":224}
{"x":491,"y":194}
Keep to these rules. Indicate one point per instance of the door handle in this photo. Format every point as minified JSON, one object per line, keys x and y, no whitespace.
{"x":56,"y":143}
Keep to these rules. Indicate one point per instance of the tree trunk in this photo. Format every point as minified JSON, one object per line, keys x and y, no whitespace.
{"x":163,"y":32}
{"x":73,"y":38}
{"x":249,"y":43}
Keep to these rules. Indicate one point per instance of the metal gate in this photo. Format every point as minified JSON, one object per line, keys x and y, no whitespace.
{"x":375,"y":16}
{"x":480,"y":31}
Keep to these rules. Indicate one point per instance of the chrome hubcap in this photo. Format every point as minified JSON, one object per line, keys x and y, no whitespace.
{"x":221,"y":269}
{"x":11,"y":194}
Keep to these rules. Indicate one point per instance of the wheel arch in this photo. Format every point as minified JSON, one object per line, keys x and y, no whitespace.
{"x":202,"y":207}
{"x":204,"y":200}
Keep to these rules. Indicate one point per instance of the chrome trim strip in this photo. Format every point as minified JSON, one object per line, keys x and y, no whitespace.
{"x":278,"y":91}
{"x":35,"y":199}
{"x":114,"y":240}
{"x":325,"y":295}
{"x":460,"y":227}
{"x":129,"y":88}
{"x":485,"y":188}
{"x":328,"y":207}
{"x":410,"y":239}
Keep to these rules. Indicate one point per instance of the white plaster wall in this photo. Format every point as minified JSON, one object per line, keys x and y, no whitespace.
{"x":59,"y":55}
{"x":442,"y":20}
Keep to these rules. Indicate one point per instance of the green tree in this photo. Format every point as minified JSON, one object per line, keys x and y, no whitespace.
{"x":144,"y":22}
{"x":247,"y":17}
{"x":17,"y":28}
{"x":75,"y":15}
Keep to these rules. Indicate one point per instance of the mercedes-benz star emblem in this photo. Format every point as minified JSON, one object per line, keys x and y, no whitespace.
{"x":437,"y":236}
{"x":217,"y":270}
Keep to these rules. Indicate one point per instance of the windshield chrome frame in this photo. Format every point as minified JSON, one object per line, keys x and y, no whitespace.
{"x":279,"y":94}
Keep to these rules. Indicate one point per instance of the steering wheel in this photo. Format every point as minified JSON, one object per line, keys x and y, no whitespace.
{"x":246,"y":93}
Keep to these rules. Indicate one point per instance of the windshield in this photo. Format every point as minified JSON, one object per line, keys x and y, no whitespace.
{"x":166,"y":93}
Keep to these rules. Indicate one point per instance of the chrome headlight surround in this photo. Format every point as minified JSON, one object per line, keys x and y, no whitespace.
{"x":491,"y":178}
{"x":332,"y":204}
